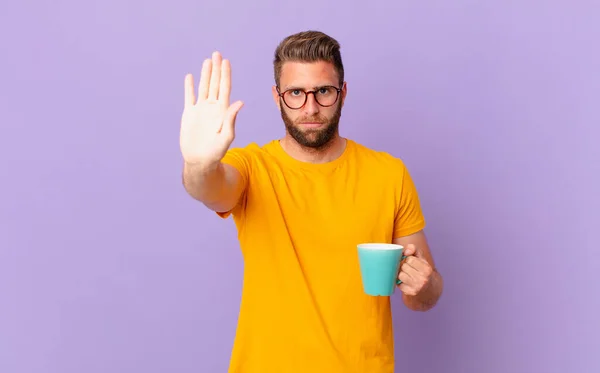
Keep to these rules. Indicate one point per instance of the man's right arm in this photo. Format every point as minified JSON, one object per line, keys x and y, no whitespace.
{"x":219,"y":186}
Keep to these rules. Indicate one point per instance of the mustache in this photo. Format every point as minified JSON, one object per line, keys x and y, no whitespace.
{"x":316,"y":119}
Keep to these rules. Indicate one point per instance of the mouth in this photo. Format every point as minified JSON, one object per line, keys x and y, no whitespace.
{"x":311,"y":124}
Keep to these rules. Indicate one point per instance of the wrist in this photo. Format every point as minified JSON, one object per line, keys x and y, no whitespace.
{"x":201,"y":168}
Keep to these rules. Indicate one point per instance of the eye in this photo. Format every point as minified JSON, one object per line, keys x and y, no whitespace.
{"x":327,"y":90}
{"x":295,"y":92}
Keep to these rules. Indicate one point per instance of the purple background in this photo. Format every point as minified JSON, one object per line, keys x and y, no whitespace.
{"x":106,"y":265}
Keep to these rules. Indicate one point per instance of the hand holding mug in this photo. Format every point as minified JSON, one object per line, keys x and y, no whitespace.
{"x":415,"y":272}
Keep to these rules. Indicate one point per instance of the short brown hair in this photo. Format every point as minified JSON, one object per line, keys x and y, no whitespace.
{"x":308,"y":46}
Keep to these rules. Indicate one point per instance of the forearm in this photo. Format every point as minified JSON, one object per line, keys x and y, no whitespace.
{"x":211,"y":185}
{"x":428,"y":297}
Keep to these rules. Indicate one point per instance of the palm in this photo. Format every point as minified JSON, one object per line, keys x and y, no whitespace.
{"x":208,"y":120}
{"x":201,"y":135}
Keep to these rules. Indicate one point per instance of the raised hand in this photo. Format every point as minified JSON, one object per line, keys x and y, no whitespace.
{"x":208,"y":120}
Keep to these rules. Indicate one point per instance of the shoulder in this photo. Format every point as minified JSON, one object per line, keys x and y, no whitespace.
{"x":381,"y":165}
{"x":252,"y":149}
{"x":371,"y":157}
{"x":248,"y":153}
{"x":267,"y":155}
{"x":247,"y":149}
{"x":247,"y":158}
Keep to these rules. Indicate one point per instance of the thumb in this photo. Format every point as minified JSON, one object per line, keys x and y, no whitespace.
{"x":230,"y":117}
{"x":410,"y":249}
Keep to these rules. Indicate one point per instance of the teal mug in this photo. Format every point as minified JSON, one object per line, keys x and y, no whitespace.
{"x":379,"y":267}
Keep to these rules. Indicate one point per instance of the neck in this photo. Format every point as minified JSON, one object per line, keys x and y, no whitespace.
{"x":328,"y":153}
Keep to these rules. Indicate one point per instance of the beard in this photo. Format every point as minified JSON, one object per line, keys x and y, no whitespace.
{"x":315,"y":138}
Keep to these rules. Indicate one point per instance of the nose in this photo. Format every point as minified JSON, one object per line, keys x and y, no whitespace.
{"x":311,"y":107}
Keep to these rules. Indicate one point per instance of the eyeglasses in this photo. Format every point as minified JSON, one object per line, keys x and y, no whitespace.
{"x":295,"y":98}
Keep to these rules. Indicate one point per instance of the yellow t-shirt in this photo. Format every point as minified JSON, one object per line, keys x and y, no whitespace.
{"x":303,"y":309}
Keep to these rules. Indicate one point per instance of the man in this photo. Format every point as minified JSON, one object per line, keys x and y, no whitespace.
{"x":301,"y":204}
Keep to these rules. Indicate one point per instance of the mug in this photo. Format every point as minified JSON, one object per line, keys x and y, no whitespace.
{"x":379,"y":267}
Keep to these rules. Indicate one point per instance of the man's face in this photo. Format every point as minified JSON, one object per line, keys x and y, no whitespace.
{"x":312,"y":125}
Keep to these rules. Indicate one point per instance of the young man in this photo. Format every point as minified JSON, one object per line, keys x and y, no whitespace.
{"x":301,"y":204}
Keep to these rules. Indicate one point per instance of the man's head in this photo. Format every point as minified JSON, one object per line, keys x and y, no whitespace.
{"x":309,"y":87}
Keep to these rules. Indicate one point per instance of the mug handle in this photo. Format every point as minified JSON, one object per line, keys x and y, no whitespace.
{"x":398,"y":281}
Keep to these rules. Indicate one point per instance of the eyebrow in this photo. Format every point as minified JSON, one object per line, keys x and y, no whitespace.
{"x":314,"y":88}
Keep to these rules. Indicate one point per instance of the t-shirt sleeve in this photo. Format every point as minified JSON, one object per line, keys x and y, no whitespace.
{"x":409,"y":216}
{"x":239,"y":158}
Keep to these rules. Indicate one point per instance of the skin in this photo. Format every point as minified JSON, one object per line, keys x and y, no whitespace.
{"x":422,"y":284}
{"x":309,"y":76}
{"x":207,"y":130}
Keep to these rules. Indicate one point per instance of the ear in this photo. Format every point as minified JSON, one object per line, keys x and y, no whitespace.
{"x":276,"y":97}
{"x":344,"y":92}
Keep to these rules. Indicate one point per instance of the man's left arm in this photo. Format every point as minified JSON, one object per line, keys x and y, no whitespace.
{"x":422,"y":284}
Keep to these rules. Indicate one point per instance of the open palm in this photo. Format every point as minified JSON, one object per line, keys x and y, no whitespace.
{"x":208,"y":120}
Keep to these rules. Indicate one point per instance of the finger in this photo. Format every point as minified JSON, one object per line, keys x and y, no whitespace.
{"x":410,"y":271}
{"x":215,"y":76}
{"x":419,"y":264}
{"x":204,"y":79}
{"x":410,"y":249}
{"x":407,"y":289}
{"x":230,"y":118}
{"x":405,"y":278}
{"x":190,"y":98}
{"x":225,"y":85}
